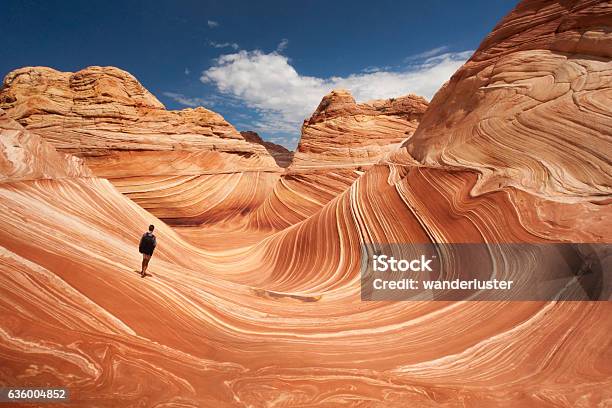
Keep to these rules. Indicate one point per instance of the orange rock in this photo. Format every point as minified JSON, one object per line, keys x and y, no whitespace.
{"x":25,"y":156}
{"x":343,"y":133}
{"x":266,"y":309}
{"x":169,"y":162}
{"x":530,"y":109}
{"x":100,"y":112}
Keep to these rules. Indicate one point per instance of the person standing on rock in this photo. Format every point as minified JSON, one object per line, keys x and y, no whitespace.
{"x":146,"y":248}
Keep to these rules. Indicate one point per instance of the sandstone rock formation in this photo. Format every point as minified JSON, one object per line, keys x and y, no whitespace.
{"x":342,"y":133}
{"x":277,"y":320}
{"x":24,"y":156}
{"x":105,"y":116}
{"x":532,"y":98}
{"x":280,"y":153}
{"x":99,"y":110}
{"x":339,"y":141}
{"x":108,"y":118}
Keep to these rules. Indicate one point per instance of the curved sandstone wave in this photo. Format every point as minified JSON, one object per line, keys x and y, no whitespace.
{"x":214,"y":306}
{"x":338,"y":143}
{"x":25,"y":156}
{"x":531,"y":109}
{"x":123,"y":133}
{"x":277,"y":320}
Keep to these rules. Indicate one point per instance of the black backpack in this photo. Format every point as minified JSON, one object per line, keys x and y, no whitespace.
{"x":148,"y":242}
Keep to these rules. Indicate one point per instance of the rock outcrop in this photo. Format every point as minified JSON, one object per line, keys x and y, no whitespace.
{"x":176,"y":164}
{"x":343,"y":133}
{"x":102,"y":112}
{"x":281,"y":154}
{"x":276,"y":319}
{"x":338,"y":143}
{"x":25,"y":156}
{"x":530,"y":109}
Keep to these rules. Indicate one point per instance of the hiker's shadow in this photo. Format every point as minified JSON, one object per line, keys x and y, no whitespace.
{"x":147,"y":275}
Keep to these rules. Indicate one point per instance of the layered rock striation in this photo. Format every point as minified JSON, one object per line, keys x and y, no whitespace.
{"x":281,"y":154}
{"x":338,"y":143}
{"x":175,"y":164}
{"x":278,"y":320}
{"x":100,"y":110}
{"x":25,"y":156}
{"x":530,"y":109}
{"x":343,"y":133}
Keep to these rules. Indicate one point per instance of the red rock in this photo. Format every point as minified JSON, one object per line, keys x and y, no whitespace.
{"x":530,"y":107}
{"x":25,"y":156}
{"x":512,"y":149}
{"x":343,"y":133}
{"x":281,"y":154}
{"x":104,"y":111}
{"x":169,"y":162}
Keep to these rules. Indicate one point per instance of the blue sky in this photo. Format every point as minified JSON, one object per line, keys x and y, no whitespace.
{"x":263,"y":65}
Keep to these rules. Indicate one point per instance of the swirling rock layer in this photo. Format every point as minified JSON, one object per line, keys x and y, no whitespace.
{"x":273,"y":320}
{"x":25,"y":156}
{"x":531,"y":108}
{"x":122,"y":132}
{"x":339,"y":141}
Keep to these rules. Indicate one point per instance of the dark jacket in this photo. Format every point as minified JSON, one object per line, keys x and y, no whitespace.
{"x":147,"y":243}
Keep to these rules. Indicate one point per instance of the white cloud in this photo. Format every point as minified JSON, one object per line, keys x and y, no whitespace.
{"x":282,"y":46}
{"x":212,"y":24}
{"x":376,"y":69}
{"x":188,"y":100}
{"x":187,"y":71}
{"x":427,"y":54}
{"x":223,"y":45}
{"x":283,"y":98}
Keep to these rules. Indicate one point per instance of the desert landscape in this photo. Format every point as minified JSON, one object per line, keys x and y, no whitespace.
{"x":254,"y":298}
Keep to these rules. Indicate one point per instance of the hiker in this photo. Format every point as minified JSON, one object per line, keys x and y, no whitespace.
{"x":146,"y":248}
